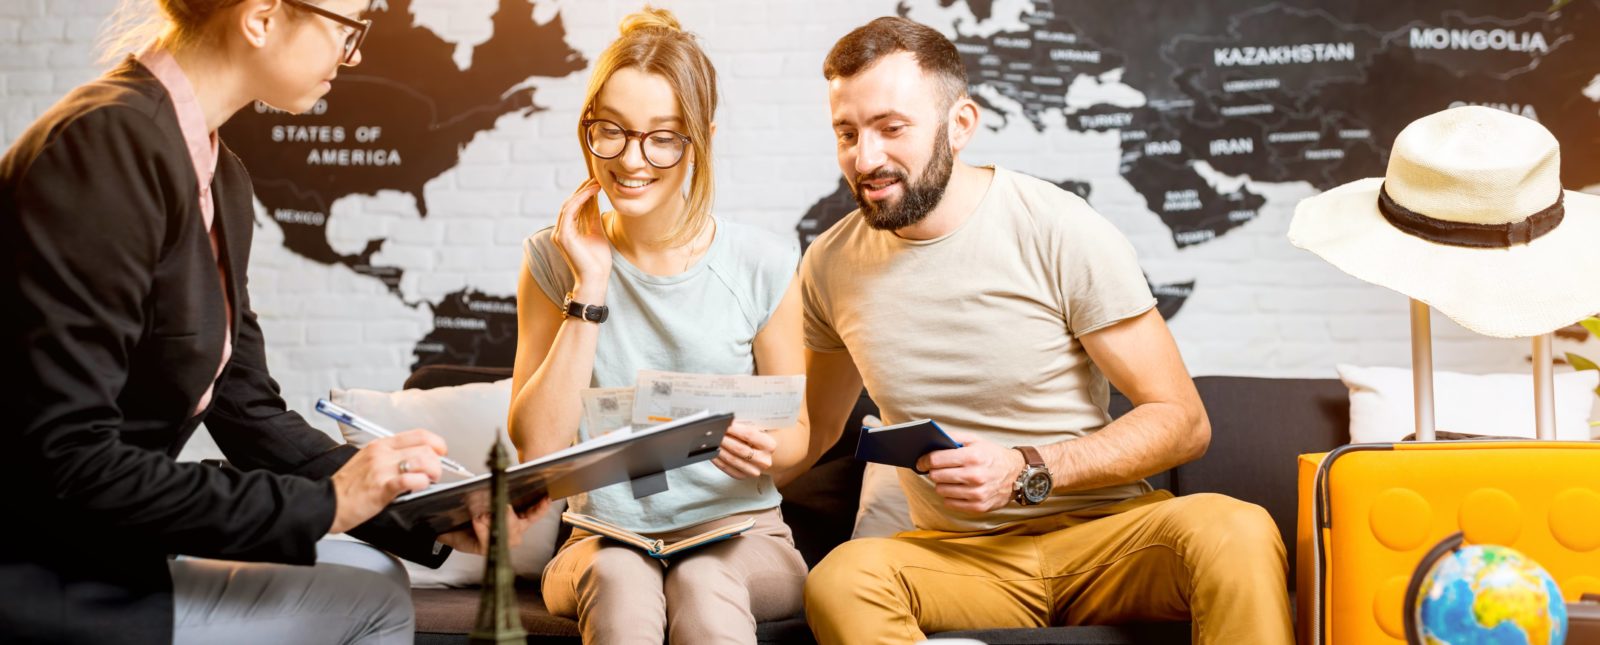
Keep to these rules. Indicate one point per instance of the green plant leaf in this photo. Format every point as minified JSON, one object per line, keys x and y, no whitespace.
{"x":1592,"y":324}
{"x":1580,"y":363}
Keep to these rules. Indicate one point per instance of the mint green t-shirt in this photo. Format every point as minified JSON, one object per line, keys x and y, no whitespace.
{"x":704,"y":321}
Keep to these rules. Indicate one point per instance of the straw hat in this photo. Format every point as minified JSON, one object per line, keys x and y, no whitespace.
{"x":1470,"y":218}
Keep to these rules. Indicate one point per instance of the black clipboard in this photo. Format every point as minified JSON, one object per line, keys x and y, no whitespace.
{"x":642,"y":456}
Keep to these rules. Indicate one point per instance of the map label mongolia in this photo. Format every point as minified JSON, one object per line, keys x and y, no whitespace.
{"x":1479,"y":40}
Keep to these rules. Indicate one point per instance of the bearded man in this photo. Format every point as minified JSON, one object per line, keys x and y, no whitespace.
{"x":1001,"y":306}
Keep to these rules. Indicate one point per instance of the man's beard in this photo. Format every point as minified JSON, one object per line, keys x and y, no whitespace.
{"x":918,"y":198}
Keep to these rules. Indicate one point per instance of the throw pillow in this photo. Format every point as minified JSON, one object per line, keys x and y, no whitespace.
{"x":883,"y":511}
{"x":469,"y":418}
{"x":1381,"y":403}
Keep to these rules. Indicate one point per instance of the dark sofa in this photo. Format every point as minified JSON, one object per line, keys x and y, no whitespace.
{"x":1259,"y":426}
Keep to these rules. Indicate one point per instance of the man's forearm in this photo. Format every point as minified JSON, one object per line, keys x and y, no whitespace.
{"x":1147,"y":440}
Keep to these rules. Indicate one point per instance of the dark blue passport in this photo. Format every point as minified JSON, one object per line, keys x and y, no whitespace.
{"x":902,"y":444}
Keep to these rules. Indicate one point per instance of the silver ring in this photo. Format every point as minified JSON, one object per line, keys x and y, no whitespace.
{"x":405,"y":466}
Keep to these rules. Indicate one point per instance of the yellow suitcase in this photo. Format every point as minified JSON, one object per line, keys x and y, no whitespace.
{"x":1368,"y":513}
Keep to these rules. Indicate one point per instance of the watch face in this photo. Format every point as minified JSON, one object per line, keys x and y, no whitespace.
{"x":1037,"y":487}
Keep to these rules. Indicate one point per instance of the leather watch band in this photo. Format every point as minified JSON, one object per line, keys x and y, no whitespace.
{"x":1032,"y":456}
{"x":592,"y":313}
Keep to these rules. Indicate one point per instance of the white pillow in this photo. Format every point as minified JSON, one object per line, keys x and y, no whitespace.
{"x":1381,"y":404}
{"x":467,"y":417}
{"x":883,"y":511}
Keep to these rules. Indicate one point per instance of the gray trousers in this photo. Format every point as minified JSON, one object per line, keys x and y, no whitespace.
{"x":354,"y":594}
{"x":713,"y":595}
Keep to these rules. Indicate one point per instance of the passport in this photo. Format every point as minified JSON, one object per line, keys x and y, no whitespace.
{"x":902,"y":444}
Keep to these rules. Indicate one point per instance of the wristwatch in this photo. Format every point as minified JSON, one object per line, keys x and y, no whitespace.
{"x":1034,"y":484}
{"x":591,"y":313}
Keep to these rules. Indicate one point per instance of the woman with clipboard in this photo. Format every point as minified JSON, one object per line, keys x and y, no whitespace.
{"x":659,"y":283}
{"x":125,"y":225}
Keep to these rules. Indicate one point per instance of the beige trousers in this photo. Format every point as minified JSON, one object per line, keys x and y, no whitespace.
{"x":1205,"y":557}
{"x":712,"y":595}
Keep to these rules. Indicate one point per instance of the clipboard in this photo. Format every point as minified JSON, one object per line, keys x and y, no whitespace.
{"x":642,"y":457}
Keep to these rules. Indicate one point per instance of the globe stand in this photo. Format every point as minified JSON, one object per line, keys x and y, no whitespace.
{"x":1420,"y":575}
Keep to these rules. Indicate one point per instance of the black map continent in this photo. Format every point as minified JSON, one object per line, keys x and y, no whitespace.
{"x":396,"y":122}
{"x":1291,"y":91}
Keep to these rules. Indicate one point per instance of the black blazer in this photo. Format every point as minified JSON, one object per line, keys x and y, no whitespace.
{"x":113,"y":324}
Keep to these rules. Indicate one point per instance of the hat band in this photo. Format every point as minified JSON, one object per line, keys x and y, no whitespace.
{"x":1483,"y":236}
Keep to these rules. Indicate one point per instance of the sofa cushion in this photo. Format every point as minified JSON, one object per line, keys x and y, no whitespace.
{"x":455,"y":611}
{"x":1259,"y":428}
{"x":448,"y":615}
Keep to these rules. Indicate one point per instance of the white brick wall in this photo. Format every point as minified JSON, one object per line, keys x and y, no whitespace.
{"x":1260,"y":306}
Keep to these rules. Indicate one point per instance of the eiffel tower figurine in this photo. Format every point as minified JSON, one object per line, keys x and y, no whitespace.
{"x":499,"y":622}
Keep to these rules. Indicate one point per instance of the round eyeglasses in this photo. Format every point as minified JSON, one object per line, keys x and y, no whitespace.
{"x":607,"y":140}
{"x":355,"y":30}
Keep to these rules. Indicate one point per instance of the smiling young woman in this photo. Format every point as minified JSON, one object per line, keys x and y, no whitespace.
{"x":660,"y":283}
{"x":125,"y":225}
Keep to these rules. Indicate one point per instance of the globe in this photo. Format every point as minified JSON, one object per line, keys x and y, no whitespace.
{"x":1483,"y":594}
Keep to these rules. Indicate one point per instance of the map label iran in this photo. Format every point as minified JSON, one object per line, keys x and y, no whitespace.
{"x":1479,"y":40}
{"x":1283,"y":54}
{"x":1236,"y":146}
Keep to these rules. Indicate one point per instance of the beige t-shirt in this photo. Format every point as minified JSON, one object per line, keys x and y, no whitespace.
{"x":979,"y":329}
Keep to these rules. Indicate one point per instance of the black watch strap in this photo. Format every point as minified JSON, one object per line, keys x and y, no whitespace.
{"x":591,"y":313}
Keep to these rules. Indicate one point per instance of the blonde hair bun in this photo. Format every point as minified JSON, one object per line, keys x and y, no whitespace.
{"x":649,"y":18}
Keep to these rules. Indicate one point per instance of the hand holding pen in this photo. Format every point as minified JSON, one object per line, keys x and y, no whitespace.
{"x":351,"y":419}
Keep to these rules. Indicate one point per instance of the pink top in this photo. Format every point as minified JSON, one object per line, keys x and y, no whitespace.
{"x":203,"y":151}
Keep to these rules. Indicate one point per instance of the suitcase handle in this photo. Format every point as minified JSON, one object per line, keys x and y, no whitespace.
{"x":1544,"y":401}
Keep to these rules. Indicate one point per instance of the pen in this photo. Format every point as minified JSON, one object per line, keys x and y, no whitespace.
{"x":350,"y":419}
